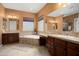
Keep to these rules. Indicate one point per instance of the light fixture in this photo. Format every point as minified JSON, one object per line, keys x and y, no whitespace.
{"x":66,"y":4}
{"x":59,"y":4}
{"x":15,"y":17}
{"x":10,"y":16}
{"x":63,"y":4}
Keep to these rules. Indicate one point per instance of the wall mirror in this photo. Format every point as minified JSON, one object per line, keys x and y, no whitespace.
{"x":13,"y":24}
{"x":52,"y":26}
{"x":70,"y":16}
{"x":10,"y":25}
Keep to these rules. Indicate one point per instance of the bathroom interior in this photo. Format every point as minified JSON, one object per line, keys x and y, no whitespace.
{"x":39,"y":29}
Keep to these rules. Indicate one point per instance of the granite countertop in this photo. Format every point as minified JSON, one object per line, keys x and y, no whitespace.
{"x":66,"y":38}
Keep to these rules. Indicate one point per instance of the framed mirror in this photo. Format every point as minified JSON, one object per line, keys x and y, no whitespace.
{"x":13,"y":24}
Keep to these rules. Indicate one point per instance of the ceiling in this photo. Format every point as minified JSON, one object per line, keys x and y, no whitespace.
{"x":28,"y":7}
{"x":69,"y":9}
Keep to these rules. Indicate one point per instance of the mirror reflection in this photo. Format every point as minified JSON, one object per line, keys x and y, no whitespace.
{"x":68,"y":16}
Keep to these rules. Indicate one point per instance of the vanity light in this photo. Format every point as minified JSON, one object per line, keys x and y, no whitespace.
{"x":15,"y":17}
{"x":9,"y":16}
{"x":59,"y":4}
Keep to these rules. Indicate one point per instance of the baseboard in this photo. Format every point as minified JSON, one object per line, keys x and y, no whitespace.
{"x":1,"y":45}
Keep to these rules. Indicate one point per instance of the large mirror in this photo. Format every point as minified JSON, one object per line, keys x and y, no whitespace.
{"x":10,"y":25}
{"x":70,"y":17}
{"x":52,"y":24}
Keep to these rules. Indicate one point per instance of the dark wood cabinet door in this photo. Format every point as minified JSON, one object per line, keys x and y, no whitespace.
{"x":42,"y":41}
{"x":71,"y":52}
{"x":59,"y":51}
{"x":4,"y":38}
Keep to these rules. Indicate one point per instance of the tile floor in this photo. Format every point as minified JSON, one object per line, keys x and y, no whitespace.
{"x":23,"y":50}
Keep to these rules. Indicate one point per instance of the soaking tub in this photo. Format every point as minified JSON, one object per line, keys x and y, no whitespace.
{"x":30,"y":39}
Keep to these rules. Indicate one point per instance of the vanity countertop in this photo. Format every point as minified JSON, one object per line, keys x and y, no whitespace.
{"x":43,"y":34}
{"x":65,"y":37}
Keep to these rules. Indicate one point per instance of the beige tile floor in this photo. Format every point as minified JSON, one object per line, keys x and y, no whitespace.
{"x":23,"y":50}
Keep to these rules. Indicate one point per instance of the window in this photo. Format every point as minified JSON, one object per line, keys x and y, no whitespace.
{"x":41,"y":24}
{"x":76,"y":24}
{"x":28,"y":24}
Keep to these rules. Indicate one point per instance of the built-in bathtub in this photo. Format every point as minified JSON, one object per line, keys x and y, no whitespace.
{"x":29,"y":39}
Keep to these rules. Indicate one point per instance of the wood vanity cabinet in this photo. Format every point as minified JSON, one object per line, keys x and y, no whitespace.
{"x":72,"y":49}
{"x":42,"y":41}
{"x":51,"y":46}
{"x":58,"y":47}
{"x":10,"y":38}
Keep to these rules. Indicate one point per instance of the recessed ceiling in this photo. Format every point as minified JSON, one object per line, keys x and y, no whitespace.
{"x":28,"y":7}
{"x":68,"y":10}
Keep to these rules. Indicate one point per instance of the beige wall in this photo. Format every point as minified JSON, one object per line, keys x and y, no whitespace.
{"x":2,"y":14}
{"x":1,"y":22}
{"x":2,"y":11}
